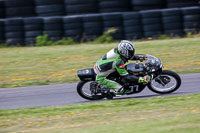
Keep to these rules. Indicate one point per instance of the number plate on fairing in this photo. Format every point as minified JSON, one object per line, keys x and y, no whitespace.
{"x":134,"y":89}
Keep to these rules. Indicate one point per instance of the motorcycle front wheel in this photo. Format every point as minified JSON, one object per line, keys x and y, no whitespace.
{"x":165,"y":83}
{"x":84,"y":90}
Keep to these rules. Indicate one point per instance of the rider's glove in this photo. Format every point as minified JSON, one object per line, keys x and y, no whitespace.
{"x":144,"y":79}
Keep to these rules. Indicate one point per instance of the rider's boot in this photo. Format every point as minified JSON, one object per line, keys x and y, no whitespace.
{"x":108,"y":93}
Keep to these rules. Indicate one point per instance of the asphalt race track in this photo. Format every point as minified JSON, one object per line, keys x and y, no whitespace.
{"x":65,"y":94}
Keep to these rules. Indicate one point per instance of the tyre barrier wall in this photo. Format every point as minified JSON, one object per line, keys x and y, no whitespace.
{"x":27,"y":8}
{"x":105,"y":6}
{"x":191,"y":19}
{"x":14,"y":31}
{"x":151,"y":21}
{"x":33,"y":27}
{"x":172,"y":20}
{"x":2,"y":35}
{"x":73,"y":7}
{"x":129,"y":25}
{"x":113,"y":20}
{"x":92,"y":26}
{"x":73,"y":27}
{"x":148,"y":4}
{"x":49,"y":7}
{"x":19,"y":8}
{"x":2,"y":9}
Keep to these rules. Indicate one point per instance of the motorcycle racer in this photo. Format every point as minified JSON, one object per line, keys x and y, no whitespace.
{"x":115,"y":60}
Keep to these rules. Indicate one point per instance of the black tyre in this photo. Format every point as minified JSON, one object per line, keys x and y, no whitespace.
{"x":174,"y":32}
{"x":133,"y":22}
{"x":14,"y":35}
{"x":83,"y":89}
{"x":92,"y":25}
{"x":72,"y":19}
{"x":183,"y":4}
{"x":92,"y":17}
{"x":112,"y":16}
{"x":192,"y":18}
{"x":172,"y":19}
{"x":48,"y":2}
{"x":18,"y":3}
{"x":81,"y":9}
{"x":112,"y":23}
{"x":33,"y":27}
{"x":20,"y":11}
{"x":191,"y":10}
{"x":171,"y":82}
{"x":72,"y":26}
{"x":49,"y":8}
{"x":11,"y":28}
{"x":110,"y":10}
{"x":149,"y":3}
{"x":151,"y":14}
{"x":76,"y":2}
{"x":147,"y":7}
{"x":146,"y":21}
{"x":33,"y":20}
{"x":171,"y":12}
{"x":152,"y":27}
{"x":32,"y":34}
{"x":172,"y":26}
{"x":131,"y":15}
{"x":133,"y":29}
{"x":56,"y":26}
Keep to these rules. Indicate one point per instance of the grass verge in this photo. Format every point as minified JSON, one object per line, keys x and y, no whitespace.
{"x":25,"y":66}
{"x":173,"y":114}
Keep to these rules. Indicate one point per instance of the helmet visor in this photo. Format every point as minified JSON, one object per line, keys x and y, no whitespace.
{"x":131,"y":54}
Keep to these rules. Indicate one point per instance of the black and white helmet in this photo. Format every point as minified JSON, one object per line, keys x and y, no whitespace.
{"x":126,"y":49}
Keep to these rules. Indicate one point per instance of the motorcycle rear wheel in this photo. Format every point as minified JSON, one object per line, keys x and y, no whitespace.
{"x":171,"y":82}
{"x":83,"y":89}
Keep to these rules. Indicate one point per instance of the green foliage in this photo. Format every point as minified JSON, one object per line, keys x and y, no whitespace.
{"x":3,"y":45}
{"x":189,"y":35}
{"x":163,"y":36}
{"x":43,"y":40}
{"x":106,"y":37}
{"x":64,"y":41}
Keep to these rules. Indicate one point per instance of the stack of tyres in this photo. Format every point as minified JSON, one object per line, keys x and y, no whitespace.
{"x":132,"y":25}
{"x":151,"y":20}
{"x":92,"y":26}
{"x":191,"y":19}
{"x":53,"y":27}
{"x":33,"y":27}
{"x":73,"y":27}
{"x":113,"y":21}
{"x":19,"y":8}
{"x":2,"y":31}
{"x":73,"y":7}
{"x":14,"y":31}
{"x":50,"y":7}
{"x":114,"y":5}
{"x":172,"y":21}
{"x":2,"y":8}
{"x":138,"y":5}
{"x":181,"y":3}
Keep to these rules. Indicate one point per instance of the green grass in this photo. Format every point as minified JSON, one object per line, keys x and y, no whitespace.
{"x":175,"y":114}
{"x":25,"y":66}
